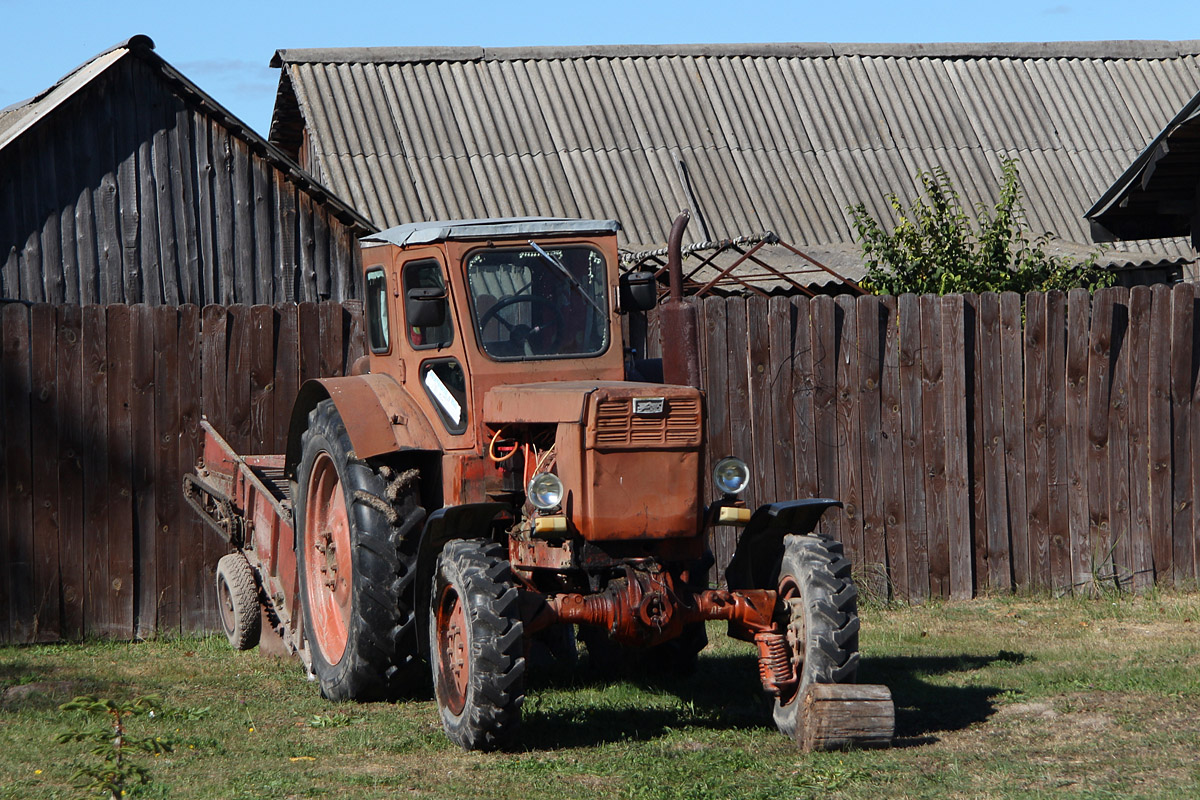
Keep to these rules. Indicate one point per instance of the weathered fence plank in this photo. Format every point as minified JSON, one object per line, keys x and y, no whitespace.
{"x":1138,"y":348}
{"x":825,"y":430}
{"x":72,"y":450}
{"x":18,"y":453}
{"x":1077,"y":443}
{"x":1057,"y":460}
{"x":914,"y":468}
{"x":1012,"y":364}
{"x":1118,"y":443}
{"x":954,"y":386}
{"x":1037,"y":471}
{"x":891,"y":447}
{"x":933,"y":412}
{"x":1099,"y":546}
{"x":1159,"y":425}
{"x":43,"y":418}
{"x":1182,"y":344}
{"x":119,"y":598}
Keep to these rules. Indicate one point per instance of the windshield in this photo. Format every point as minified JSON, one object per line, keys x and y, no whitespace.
{"x":539,"y":301}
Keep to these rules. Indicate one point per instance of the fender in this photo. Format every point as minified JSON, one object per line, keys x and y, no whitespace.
{"x":379,"y":415}
{"x":755,"y":563}
{"x":467,"y":521}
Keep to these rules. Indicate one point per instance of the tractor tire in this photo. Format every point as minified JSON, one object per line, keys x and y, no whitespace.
{"x":237,"y":601}
{"x":820,"y":619}
{"x":358,"y":526}
{"x":476,"y":645}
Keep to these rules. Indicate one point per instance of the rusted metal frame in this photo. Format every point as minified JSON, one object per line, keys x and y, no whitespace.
{"x":819,"y":265}
{"x":778,"y":274}
{"x":706,"y":262}
{"x":700,"y":292}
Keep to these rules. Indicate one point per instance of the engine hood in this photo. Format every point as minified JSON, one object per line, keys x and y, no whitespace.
{"x":568,"y":401}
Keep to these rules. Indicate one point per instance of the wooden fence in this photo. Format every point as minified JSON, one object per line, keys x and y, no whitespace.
{"x":979,"y":443}
{"x":100,"y":412}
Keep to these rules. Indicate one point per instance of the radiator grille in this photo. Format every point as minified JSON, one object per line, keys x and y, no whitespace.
{"x":618,"y":426}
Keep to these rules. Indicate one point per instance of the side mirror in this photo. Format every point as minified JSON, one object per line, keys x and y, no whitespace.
{"x":637,"y":291}
{"x":425,"y":308}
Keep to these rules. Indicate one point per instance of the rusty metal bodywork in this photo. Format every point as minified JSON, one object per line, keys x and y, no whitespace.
{"x":625,"y":549}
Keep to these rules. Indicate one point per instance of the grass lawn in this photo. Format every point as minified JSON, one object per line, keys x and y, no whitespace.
{"x":1004,"y":698}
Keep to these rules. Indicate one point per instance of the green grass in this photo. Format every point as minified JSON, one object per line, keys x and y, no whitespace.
{"x":1003,"y":698}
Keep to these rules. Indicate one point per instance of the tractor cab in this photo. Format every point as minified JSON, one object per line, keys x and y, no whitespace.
{"x":454,"y":309}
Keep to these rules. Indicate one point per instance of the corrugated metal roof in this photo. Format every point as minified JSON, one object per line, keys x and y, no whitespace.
{"x":780,"y":137}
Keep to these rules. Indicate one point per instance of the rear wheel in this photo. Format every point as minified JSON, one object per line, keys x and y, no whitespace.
{"x":819,"y":616}
{"x":358,"y":526}
{"x":237,"y":601}
{"x":476,"y":647}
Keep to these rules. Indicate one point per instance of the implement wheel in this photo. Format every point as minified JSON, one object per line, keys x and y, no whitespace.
{"x":237,"y":601}
{"x":357,"y":525}
{"x":476,"y":646}
{"x":819,"y":616}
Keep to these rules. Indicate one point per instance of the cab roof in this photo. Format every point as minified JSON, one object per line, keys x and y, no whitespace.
{"x":498,"y":228}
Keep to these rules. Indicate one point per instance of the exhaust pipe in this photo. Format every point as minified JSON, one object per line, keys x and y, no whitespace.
{"x":679,"y":329}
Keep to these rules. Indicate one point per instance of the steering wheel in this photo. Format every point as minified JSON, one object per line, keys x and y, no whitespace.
{"x":518,"y":332}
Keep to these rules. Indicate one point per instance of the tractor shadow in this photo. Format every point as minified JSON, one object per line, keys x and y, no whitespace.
{"x":724,"y":694}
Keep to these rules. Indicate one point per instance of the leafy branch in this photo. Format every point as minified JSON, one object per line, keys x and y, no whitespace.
{"x":937,"y":247}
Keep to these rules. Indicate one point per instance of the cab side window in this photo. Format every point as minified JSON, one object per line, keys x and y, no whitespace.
{"x":378,"y":335}
{"x":427,"y":274}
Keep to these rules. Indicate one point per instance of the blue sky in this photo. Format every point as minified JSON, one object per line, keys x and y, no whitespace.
{"x":224,"y":47}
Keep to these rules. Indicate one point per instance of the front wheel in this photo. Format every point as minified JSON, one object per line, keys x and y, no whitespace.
{"x":357,"y":525}
{"x":818,"y":605}
{"x":476,"y":646}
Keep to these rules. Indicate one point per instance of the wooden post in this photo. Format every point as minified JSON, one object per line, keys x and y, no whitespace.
{"x":838,"y":716}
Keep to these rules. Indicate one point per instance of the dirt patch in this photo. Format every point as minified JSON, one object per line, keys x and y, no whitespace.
{"x":23,"y":693}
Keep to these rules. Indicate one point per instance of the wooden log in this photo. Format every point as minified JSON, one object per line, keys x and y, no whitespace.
{"x":838,"y":716}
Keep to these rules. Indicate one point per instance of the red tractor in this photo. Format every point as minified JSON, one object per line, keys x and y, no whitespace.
{"x":489,"y":477}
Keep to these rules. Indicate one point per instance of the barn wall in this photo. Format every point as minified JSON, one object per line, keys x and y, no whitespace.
{"x":129,"y":193}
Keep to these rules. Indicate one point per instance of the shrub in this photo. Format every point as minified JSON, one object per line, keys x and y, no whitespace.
{"x":937,"y":247}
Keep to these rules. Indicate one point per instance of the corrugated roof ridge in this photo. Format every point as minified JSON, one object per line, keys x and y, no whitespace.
{"x":1099,"y":49}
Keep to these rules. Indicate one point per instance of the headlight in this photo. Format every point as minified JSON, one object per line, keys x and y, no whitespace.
{"x":731,"y":475}
{"x":545,"y":491}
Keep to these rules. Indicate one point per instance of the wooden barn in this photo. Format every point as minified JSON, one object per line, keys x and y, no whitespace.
{"x":126,"y":183}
